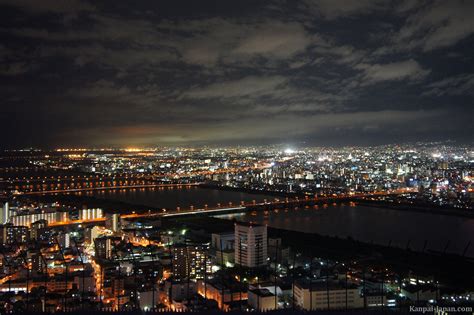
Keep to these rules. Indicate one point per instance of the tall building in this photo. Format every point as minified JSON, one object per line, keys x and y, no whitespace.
{"x":5,"y":213}
{"x":103,"y":247}
{"x":250,"y":244}
{"x":90,"y":214}
{"x":189,"y":261}
{"x":223,"y":241}
{"x":92,"y":233}
{"x":37,"y":228}
{"x":38,"y":264}
{"x":64,"y":240}
{"x":112,"y":222}
{"x":50,"y":215}
{"x":222,"y":245}
{"x":10,"y":234}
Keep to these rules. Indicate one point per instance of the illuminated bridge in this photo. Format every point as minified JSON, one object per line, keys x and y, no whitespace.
{"x":87,"y":182}
{"x":277,"y":203}
{"x":252,"y":206}
{"x":111,"y":187}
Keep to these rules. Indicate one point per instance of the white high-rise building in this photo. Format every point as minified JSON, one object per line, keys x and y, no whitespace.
{"x":65,"y":240}
{"x":50,"y":215}
{"x":112,"y":222}
{"x":115,"y":222}
{"x":250,"y":244}
{"x":5,"y":213}
{"x":90,"y":214}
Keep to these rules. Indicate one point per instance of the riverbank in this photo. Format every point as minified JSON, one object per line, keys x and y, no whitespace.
{"x":251,"y":191}
{"x":467,"y":213}
{"x":124,"y":206}
{"x":425,"y":208}
{"x":80,"y":201}
{"x":451,"y":269}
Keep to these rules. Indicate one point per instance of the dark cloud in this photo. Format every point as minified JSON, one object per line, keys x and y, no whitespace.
{"x":437,"y":25}
{"x":401,"y":70}
{"x":325,"y":72}
{"x":49,"y":6}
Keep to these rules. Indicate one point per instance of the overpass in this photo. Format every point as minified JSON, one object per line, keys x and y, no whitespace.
{"x":265,"y":205}
{"x":242,"y":207}
{"x":86,"y":182}
{"x":76,"y":222}
{"x":108,"y":188}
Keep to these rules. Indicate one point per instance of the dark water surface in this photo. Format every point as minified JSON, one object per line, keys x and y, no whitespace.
{"x":369,"y":224}
{"x":373,"y":224}
{"x":172,"y":197}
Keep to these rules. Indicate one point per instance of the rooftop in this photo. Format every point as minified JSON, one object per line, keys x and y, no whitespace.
{"x":262,"y":292}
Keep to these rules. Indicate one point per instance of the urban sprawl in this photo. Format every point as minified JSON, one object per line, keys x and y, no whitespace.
{"x":64,"y":251}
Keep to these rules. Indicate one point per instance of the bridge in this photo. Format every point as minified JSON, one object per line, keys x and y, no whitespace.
{"x":85,"y":189}
{"x":76,"y":222}
{"x":297,"y":201}
{"x":243,"y":206}
{"x":87,"y":182}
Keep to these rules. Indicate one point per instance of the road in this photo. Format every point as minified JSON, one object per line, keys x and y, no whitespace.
{"x":241,"y":207}
{"x":107,"y":188}
{"x":277,"y":202}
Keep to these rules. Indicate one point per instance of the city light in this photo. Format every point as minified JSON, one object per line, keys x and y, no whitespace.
{"x":208,"y":157}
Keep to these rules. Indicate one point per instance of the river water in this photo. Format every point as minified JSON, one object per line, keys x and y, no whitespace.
{"x":369,"y":224}
{"x":373,"y":224}
{"x":173,"y":197}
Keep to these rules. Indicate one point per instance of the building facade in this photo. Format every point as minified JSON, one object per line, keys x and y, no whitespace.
{"x":250,"y":245}
{"x":190,"y":261}
{"x":322,"y":296}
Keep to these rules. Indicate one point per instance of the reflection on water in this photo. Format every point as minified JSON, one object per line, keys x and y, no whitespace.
{"x":173,"y":197}
{"x":367,"y":224}
{"x":371,"y":224}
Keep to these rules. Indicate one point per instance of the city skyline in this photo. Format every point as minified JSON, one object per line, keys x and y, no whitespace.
{"x":257,"y":229}
{"x":324,"y":73}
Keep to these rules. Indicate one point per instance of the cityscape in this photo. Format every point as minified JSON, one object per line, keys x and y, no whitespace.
{"x":306,"y":156}
{"x":66,"y":246}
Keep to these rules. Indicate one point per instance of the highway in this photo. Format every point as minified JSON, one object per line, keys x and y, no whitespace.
{"x":73,"y":222}
{"x":106,"y":188}
{"x":241,"y":207}
{"x":76,"y":183}
{"x":276,"y":203}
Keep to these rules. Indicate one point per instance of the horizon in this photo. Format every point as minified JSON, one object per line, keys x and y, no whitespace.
{"x":107,"y":73}
{"x":281,"y":146}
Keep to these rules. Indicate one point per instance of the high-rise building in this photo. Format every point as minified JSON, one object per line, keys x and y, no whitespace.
{"x":10,"y":234}
{"x":118,"y":285}
{"x":50,"y":215}
{"x":92,"y":233}
{"x":222,"y":245}
{"x":112,"y":222}
{"x":189,"y":261}
{"x":36,"y":228}
{"x":250,"y":244}
{"x":38,"y":263}
{"x":90,"y":214}
{"x":64,"y":240}
{"x":103,"y":247}
{"x":5,"y":213}
{"x":223,"y":241}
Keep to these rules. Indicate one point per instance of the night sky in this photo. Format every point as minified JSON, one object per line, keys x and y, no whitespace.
{"x":329,"y":72}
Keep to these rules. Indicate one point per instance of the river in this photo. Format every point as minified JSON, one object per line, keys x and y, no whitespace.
{"x":173,"y":197}
{"x":373,"y":224}
{"x":368,"y":224}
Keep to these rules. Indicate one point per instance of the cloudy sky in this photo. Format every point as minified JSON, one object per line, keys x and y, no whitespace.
{"x":321,"y":72}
